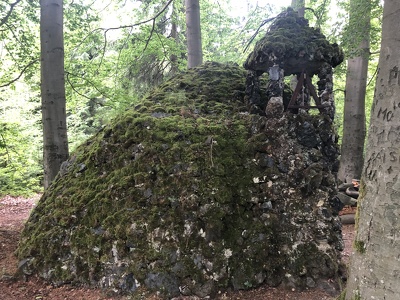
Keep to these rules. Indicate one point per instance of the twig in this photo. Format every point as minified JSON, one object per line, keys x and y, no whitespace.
{"x":258,"y":29}
{"x":151,"y":34}
{"x":5,"y":19}
{"x":88,"y":81}
{"x":129,"y":26}
{"x":20,"y":74}
{"x":74,"y":89}
{"x":373,"y":76}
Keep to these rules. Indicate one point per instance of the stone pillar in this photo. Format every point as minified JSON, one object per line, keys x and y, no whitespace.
{"x":325,"y":89}
{"x":275,"y":82}
{"x":253,"y":97}
{"x":275,"y":88}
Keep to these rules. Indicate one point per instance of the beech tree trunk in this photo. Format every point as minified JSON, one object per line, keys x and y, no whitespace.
{"x":375,"y":264}
{"x":193,"y":33}
{"x":299,"y":6}
{"x":352,"y":151}
{"x":55,"y":141}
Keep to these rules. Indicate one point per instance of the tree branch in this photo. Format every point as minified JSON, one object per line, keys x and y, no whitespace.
{"x":258,"y":29}
{"x":151,"y":34}
{"x":127,"y":26}
{"x":20,"y":74}
{"x":88,"y":81}
{"x":141,"y":22}
{"x":373,"y":76}
{"x":153,"y":19}
{"x":73,"y":88}
{"x":5,"y":19}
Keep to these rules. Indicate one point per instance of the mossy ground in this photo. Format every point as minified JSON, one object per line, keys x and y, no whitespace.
{"x":188,"y":193}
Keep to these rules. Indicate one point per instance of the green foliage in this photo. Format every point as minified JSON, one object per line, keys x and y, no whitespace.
{"x":20,"y":171}
{"x":221,"y":34}
{"x":317,"y":12}
{"x":21,"y":151}
{"x":358,"y":26}
{"x":18,"y":34}
{"x":349,"y":36}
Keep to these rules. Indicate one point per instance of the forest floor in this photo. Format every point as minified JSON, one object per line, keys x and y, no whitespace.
{"x":15,"y":210}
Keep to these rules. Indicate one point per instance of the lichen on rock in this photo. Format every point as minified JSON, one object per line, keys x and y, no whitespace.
{"x":187,"y":193}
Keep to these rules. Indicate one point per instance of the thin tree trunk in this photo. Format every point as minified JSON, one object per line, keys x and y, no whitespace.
{"x":55,"y":141}
{"x":299,"y":6}
{"x":173,"y":57}
{"x":193,"y":33}
{"x":375,"y":264}
{"x":352,"y":151}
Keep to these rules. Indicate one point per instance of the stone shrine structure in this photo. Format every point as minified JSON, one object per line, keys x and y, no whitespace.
{"x":188,"y":194}
{"x":291,"y":47}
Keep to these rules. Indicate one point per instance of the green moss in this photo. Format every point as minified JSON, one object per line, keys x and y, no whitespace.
{"x":124,"y":178}
{"x":342,"y":296}
{"x":362,"y":192}
{"x":357,"y":296}
{"x":167,"y":188}
{"x":359,"y":246}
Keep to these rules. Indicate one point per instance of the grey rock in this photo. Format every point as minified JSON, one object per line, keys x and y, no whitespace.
{"x":347,"y":200}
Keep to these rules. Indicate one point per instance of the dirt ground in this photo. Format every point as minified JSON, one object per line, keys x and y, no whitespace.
{"x":14,"y":212}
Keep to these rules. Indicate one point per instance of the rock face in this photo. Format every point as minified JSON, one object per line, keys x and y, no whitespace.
{"x":187,"y":193}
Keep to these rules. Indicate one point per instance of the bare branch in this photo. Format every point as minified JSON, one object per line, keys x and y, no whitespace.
{"x":373,"y":76}
{"x":151,"y":34}
{"x":20,"y":74}
{"x":73,"y":88}
{"x":141,"y":22}
{"x":153,"y":19}
{"x":258,"y":29}
{"x":5,"y":19}
{"x":88,"y":81}
{"x":126,"y":26}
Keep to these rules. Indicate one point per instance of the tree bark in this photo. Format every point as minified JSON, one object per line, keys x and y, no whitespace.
{"x":352,"y":151}
{"x":299,"y":6}
{"x":173,"y":57}
{"x":375,"y":264}
{"x":193,"y":33}
{"x":55,"y":141}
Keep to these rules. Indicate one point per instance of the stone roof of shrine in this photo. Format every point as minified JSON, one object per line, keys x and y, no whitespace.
{"x":293,"y":45}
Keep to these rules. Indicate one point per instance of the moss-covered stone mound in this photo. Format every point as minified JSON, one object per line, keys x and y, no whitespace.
{"x":187,"y":193}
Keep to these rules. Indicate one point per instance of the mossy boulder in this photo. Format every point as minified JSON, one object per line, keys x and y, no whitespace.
{"x":187,"y":193}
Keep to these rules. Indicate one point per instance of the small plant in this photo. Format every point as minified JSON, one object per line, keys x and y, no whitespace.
{"x":342,"y":296}
{"x":359,"y":246}
{"x":248,"y":284}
